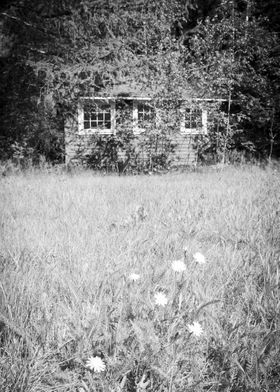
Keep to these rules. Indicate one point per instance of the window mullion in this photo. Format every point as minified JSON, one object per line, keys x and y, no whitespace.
{"x":204,"y":121}
{"x":113,"y":116}
{"x":135,"y":116}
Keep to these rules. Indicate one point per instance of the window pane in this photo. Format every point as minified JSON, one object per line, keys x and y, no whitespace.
{"x":188,"y":118}
{"x":198,"y":118}
{"x":86,"y":125}
{"x":93,"y":116}
{"x":108,"y":124}
{"x":100,"y":117}
{"x":147,"y":116}
{"x":97,"y":114}
{"x":192,"y":123}
{"x":145,"y":112}
{"x":193,"y":118}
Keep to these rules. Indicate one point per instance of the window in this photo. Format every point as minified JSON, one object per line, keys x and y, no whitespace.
{"x":143,"y":115}
{"x":145,"y":112}
{"x":97,"y":116}
{"x":194,"y":120}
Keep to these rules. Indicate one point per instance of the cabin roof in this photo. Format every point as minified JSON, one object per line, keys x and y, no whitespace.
{"x":133,"y":90}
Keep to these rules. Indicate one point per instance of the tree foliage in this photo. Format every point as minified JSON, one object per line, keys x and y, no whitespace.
{"x":235,"y":57}
{"x":58,"y":51}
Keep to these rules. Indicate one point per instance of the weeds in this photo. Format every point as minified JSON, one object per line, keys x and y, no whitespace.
{"x":136,"y":284}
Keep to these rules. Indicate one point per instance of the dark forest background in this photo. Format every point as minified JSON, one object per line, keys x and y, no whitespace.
{"x":53,"y":52}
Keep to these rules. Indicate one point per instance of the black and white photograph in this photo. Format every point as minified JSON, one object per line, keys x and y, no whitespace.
{"x":140,"y":196}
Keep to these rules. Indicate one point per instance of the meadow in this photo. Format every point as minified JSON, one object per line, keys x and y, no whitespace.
{"x":149,"y":283}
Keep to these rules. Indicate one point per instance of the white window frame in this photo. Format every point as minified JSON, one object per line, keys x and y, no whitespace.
{"x":137,"y":130}
{"x":100,"y":131}
{"x":190,"y":131}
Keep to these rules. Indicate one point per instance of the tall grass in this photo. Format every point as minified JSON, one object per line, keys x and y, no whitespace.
{"x":68,"y":246}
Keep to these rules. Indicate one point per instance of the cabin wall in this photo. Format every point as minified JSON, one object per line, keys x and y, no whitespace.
{"x":77,"y":147}
{"x":185,"y":152}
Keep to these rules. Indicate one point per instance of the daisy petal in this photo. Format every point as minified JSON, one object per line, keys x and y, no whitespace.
{"x":134,"y":277}
{"x":96,"y":364}
{"x":160,"y":299}
{"x":195,"y":328}
{"x":178,"y":265}
{"x":199,"y":258}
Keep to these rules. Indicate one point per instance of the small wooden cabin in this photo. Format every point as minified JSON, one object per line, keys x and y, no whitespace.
{"x":105,"y":114}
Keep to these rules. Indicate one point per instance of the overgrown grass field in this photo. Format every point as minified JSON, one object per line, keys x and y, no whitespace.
{"x":87,"y":272}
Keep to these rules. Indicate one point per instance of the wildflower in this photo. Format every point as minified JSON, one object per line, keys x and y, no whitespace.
{"x":96,"y":364}
{"x":178,"y":265}
{"x":195,"y":328}
{"x":199,"y":258}
{"x":161,"y":299}
{"x":134,"y":277}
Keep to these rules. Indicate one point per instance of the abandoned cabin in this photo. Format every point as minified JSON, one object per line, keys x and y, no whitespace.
{"x":124,"y":107}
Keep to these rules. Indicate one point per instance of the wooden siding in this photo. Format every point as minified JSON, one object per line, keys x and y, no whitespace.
{"x":78,"y":146}
{"x":185,"y":152}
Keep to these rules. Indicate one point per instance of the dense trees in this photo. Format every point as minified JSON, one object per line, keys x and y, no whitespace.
{"x":53,"y":52}
{"x":237,"y":57}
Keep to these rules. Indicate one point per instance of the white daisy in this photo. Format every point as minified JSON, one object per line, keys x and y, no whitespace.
{"x":134,"y":277}
{"x":199,"y":258}
{"x":178,"y":265}
{"x":160,"y":298}
{"x":96,"y":364}
{"x":195,"y":328}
